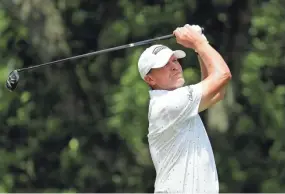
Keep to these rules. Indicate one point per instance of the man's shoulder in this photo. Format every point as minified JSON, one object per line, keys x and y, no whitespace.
{"x":173,"y":98}
{"x":157,"y":106}
{"x":185,"y":91}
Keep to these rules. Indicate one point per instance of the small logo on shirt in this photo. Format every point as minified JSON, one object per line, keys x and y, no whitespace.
{"x":190,"y":93}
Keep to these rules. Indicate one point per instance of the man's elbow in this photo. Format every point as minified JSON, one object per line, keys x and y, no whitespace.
{"x":225,"y":72}
{"x":227,"y":75}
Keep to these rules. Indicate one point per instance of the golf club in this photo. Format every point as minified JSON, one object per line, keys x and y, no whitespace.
{"x":14,"y":76}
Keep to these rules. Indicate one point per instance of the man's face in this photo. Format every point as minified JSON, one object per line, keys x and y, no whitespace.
{"x":168,"y":77}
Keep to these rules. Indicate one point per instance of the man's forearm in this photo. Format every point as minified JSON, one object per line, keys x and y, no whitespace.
{"x":204,"y":73}
{"x":212,"y":62}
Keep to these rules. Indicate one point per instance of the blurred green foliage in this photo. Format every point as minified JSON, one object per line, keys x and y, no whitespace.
{"x":81,"y":126}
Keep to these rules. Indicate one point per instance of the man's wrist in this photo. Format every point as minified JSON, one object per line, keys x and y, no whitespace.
{"x":200,"y":46}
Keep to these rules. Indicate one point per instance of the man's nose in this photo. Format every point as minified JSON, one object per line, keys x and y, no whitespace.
{"x":174,"y":67}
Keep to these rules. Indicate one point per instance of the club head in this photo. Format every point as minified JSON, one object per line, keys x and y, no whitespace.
{"x":12,"y":80}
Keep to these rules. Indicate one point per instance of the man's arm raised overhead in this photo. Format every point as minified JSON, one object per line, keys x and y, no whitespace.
{"x":218,"y":72}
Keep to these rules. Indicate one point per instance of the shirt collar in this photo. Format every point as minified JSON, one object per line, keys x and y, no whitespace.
{"x":155,"y":93}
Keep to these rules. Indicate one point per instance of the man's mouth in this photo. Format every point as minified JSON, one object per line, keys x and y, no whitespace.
{"x":178,"y":74}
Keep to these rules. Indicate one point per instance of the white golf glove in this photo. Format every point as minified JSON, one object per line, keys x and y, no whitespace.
{"x":198,"y":29}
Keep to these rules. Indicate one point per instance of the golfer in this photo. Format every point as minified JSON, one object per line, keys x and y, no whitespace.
{"x":179,"y":145}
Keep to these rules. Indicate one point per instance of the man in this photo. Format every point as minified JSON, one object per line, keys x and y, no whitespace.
{"x":180,"y":149}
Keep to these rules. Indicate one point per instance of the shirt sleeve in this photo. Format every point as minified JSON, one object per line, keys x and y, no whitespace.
{"x":184,"y":102}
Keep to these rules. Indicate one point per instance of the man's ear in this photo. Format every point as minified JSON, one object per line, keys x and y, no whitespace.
{"x":149,"y":80}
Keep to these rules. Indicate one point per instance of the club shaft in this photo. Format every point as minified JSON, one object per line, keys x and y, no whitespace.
{"x":99,"y":52}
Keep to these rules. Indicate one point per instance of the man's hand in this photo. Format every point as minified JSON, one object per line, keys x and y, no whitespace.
{"x":190,"y":36}
{"x":199,"y":29}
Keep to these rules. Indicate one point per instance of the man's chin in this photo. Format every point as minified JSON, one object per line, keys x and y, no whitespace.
{"x":180,"y":83}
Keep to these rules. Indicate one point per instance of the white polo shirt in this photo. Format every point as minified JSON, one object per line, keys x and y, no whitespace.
{"x":179,"y":145}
